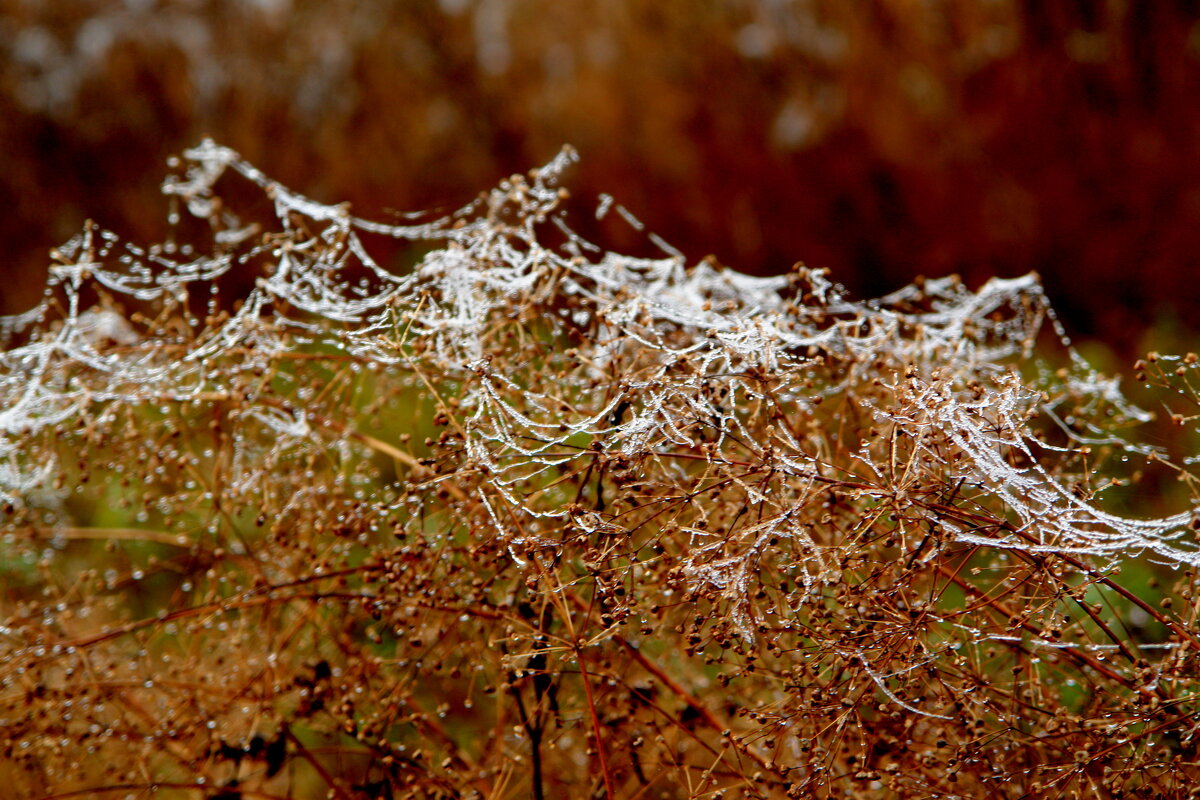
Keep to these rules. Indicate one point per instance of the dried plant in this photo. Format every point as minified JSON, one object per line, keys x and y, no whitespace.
{"x":534,"y":518}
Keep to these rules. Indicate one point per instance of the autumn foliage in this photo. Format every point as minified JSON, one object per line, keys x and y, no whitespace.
{"x":880,"y":140}
{"x":540,"y":519}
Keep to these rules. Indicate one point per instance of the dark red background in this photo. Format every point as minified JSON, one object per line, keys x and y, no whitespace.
{"x":882,"y":139}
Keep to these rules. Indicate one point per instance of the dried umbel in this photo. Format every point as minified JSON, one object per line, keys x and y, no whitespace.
{"x":533,"y":518}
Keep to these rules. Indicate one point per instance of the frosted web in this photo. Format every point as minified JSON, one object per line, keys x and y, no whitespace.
{"x":664,"y":375}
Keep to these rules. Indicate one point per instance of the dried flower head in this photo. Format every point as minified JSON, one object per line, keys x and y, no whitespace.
{"x":533,"y":518}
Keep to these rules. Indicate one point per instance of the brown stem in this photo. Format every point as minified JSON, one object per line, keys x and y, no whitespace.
{"x":587,"y":688}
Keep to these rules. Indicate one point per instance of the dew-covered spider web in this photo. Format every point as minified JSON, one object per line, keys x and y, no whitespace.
{"x":678,"y":357}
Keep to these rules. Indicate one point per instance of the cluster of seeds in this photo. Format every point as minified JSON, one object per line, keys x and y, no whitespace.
{"x":534,"y":518}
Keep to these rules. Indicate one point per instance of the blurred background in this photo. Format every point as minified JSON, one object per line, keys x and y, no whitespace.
{"x":882,"y":139}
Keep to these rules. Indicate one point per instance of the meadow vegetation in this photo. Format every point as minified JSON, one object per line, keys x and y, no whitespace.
{"x":538,"y":519}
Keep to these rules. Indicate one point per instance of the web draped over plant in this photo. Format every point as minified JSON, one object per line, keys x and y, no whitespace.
{"x":683,"y":330}
{"x":781,"y":478}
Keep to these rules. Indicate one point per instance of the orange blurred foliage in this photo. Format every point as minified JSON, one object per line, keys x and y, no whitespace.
{"x":881,"y":139}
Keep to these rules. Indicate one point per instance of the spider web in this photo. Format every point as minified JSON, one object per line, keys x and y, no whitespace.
{"x":656,"y":360}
